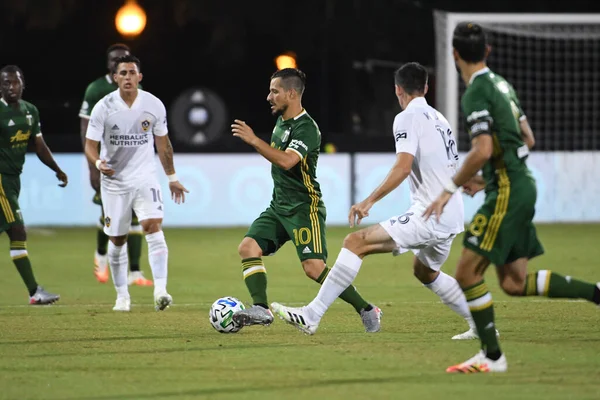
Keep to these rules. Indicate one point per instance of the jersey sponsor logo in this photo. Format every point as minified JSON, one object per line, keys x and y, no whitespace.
{"x":133,"y":140}
{"x":11,"y":123}
{"x":295,"y":143}
{"x":400,"y":135}
{"x":20,"y":136}
{"x":145,"y":125}
{"x":475,"y":115}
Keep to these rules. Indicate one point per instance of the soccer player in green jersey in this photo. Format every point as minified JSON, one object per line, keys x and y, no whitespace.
{"x":296,"y":212}
{"x":501,"y":232}
{"x":19,"y":123}
{"x":93,"y":94}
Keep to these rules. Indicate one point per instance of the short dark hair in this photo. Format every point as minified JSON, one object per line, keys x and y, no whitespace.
{"x":470,"y":41}
{"x":13,"y":69}
{"x":291,"y":78}
{"x":117,"y":46}
{"x":129,"y":58}
{"x":412,"y":77}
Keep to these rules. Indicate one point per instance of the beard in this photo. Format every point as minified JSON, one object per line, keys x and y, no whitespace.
{"x":279,"y":111}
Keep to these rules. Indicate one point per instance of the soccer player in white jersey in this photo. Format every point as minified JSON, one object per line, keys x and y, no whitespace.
{"x":127,"y":123}
{"x":426,"y":154}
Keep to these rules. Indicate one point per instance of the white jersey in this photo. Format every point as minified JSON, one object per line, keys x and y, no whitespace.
{"x":127,"y":138}
{"x":425,"y":133}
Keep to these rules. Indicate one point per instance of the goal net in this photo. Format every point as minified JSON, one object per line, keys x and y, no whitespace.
{"x":553,"y":62}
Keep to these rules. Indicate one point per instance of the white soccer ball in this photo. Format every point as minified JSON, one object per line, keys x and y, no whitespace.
{"x":221,"y":314}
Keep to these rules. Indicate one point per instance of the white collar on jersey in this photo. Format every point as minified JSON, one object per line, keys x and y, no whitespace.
{"x":417,"y":101}
{"x":482,"y":71}
{"x":301,"y":114}
{"x":3,"y":101}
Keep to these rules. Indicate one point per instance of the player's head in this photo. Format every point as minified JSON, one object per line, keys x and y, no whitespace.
{"x":470,"y":44}
{"x":127,"y":73}
{"x":12,"y":83}
{"x":113,"y":52}
{"x":411,"y":81}
{"x":287,"y":87}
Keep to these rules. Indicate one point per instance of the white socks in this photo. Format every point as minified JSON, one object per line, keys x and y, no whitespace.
{"x":158,"y":256}
{"x":447,"y":288}
{"x":341,"y":276}
{"x":118,"y":261}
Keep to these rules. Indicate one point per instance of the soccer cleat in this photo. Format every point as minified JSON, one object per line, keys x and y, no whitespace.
{"x":162,"y":301}
{"x":371,"y":319}
{"x":471,"y":334}
{"x":101,"y":267}
{"x":41,"y":297}
{"x":297,"y":317}
{"x":122,"y":304}
{"x":255,"y":315}
{"x":137,"y":278}
{"x":479,"y":363}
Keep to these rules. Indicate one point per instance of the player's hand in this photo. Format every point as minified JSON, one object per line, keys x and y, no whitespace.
{"x":178,"y":192}
{"x":243,"y":131}
{"x":105,"y":169}
{"x":62,"y":177}
{"x":358,"y":212}
{"x":473,"y":186}
{"x":437,"y":207}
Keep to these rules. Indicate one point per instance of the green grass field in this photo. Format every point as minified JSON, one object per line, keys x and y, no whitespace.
{"x":81,"y":349}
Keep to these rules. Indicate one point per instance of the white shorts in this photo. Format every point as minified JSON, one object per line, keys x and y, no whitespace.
{"x":411,"y":232}
{"x":146,"y":201}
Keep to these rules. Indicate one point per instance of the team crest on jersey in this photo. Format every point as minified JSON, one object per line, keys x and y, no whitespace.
{"x":286,"y":135}
{"x":145,"y":125}
{"x":29,"y":119}
{"x":107,"y":222}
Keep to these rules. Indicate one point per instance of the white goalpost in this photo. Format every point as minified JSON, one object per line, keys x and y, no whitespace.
{"x":552,"y":60}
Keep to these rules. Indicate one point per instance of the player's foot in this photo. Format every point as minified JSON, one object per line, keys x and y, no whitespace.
{"x":371,"y":319}
{"x":137,"y":278}
{"x":255,"y":315}
{"x":101,"y":267}
{"x":162,"y":301}
{"x":479,"y":363}
{"x":471,"y":334}
{"x":122,"y":304}
{"x":297,"y":317}
{"x":42,"y":297}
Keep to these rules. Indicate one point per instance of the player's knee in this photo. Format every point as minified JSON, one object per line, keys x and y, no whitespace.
{"x":313,"y":268}
{"x":423,"y":273}
{"x":353,"y":242}
{"x":151,"y":226}
{"x":513,"y":287}
{"x":249,"y":248}
{"x":118,"y":240}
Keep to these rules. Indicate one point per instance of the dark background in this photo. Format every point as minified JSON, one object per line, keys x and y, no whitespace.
{"x":229,"y":48}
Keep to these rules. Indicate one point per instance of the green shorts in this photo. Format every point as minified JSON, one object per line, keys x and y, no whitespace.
{"x":502,"y":230}
{"x":305,"y":228}
{"x":10,"y":212}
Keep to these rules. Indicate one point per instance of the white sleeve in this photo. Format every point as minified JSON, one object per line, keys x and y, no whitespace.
{"x":160,"y":126}
{"x":95,"y":129}
{"x":406,"y":133}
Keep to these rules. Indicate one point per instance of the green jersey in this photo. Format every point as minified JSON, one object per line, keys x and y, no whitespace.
{"x":17,"y":125}
{"x":297,"y":186}
{"x":491,"y":106}
{"x":95,"y":92}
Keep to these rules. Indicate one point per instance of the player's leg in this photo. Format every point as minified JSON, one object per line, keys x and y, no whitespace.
{"x":11,"y":222}
{"x":100,"y":255}
{"x":427,"y":269}
{"x":515,"y":280}
{"x":264,"y":237}
{"x":134,"y":249}
{"x":117,"y":218}
{"x":357,"y":245}
{"x":148,"y":206}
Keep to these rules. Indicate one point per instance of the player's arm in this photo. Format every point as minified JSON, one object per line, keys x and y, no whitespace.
{"x":165,"y":154}
{"x":526,"y":132}
{"x":406,"y":134}
{"x":94,"y":133}
{"x":283,"y":159}
{"x":89,"y":101}
{"x":43,"y":151}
